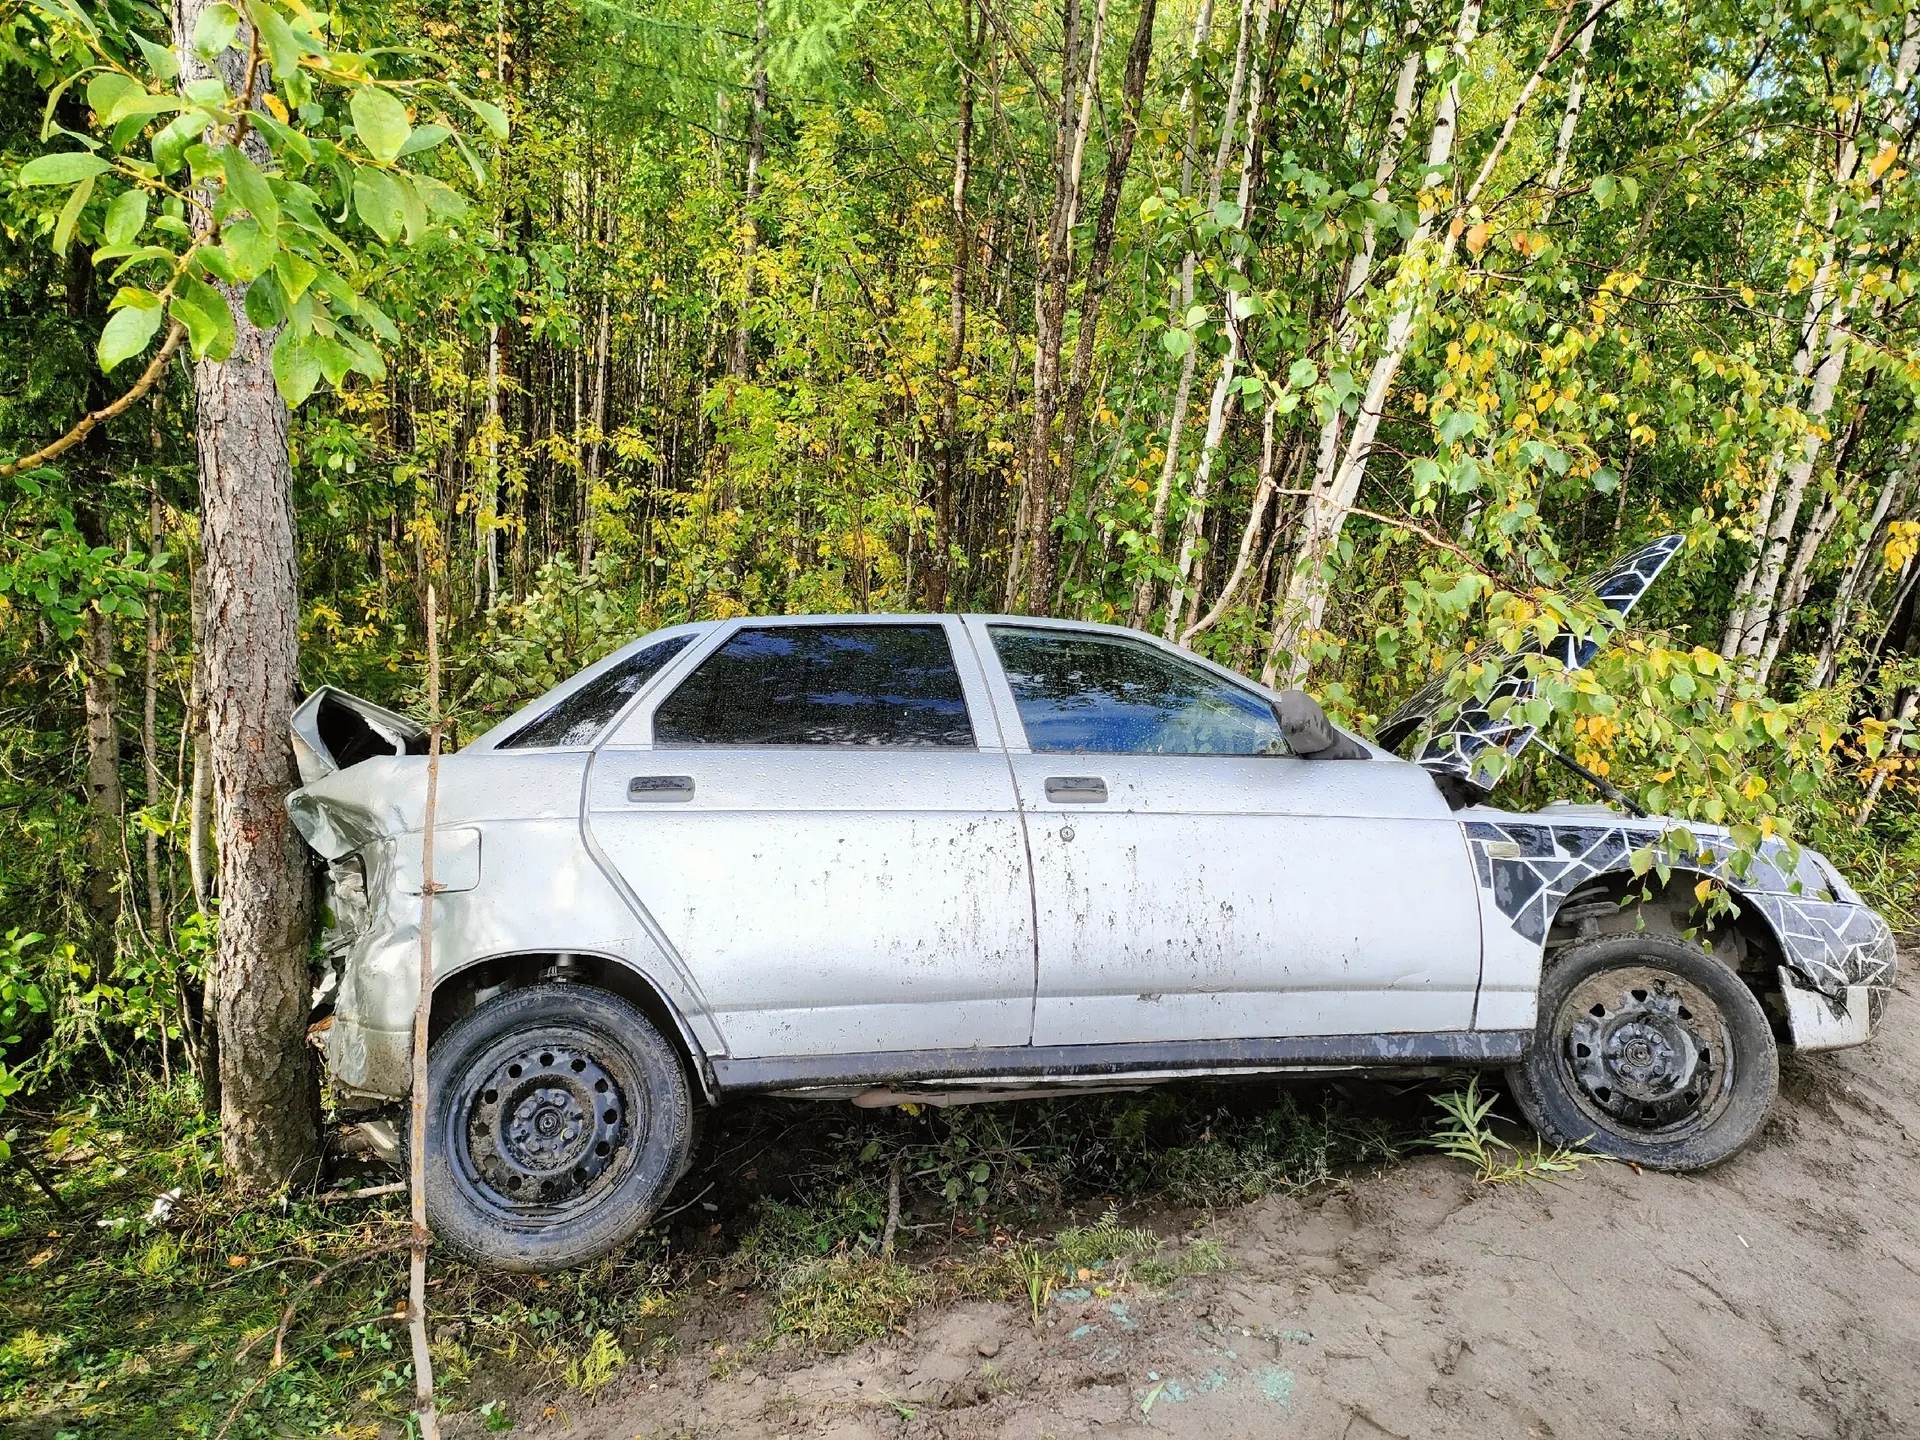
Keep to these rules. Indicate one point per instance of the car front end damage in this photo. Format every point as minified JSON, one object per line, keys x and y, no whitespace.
{"x":362,"y":810}
{"x":1836,"y":952}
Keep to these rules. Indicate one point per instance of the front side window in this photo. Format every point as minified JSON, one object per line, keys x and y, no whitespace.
{"x":580,"y":717}
{"x":883,"y":686}
{"x":1104,"y":695}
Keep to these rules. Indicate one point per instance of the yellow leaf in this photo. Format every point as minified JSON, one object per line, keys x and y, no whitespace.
{"x":1701,"y":891}
{"x":1477,"y":237}
{"x":279,"y":109}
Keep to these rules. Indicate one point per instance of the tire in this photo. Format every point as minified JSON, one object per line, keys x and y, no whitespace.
{"x":557,"y":1120}
{"x":1647,"y":1049}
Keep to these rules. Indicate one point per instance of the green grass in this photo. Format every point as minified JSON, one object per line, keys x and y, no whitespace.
{"x":118,"y":1324}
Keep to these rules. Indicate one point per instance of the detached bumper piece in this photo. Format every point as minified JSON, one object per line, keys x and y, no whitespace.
{"x":1821,"y":1022}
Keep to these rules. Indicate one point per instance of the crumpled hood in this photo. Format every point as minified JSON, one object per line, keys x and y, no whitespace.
{"x":1473,"y":729}
{"x":333,"y":730}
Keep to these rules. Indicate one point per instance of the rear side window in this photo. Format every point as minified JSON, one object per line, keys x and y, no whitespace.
{"x":884,"y":686}
{"x":1104,"y":695}
{"x":580,"y":717}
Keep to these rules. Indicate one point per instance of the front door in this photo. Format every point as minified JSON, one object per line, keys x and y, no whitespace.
{"x":1193,"y":881}
{"x":820,"y":819}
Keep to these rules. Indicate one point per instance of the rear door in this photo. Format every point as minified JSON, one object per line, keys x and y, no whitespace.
{"x":820,"y":819}
{"x":1193,"y":881}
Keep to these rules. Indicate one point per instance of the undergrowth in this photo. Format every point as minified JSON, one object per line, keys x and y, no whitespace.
{"x":146,"y":1302}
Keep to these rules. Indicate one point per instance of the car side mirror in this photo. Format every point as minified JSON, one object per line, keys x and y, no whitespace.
{"x":1309,"y":733}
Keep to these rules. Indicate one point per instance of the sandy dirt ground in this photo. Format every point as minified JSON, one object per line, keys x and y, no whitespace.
{"x":1776,"y":1296}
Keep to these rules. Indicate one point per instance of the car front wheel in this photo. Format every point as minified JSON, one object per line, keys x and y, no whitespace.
{"x":1647,"y":1049}
{"x":558,"y":1119}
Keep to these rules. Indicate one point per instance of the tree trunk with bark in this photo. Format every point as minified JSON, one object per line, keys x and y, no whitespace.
{"x":947,"y":444}
{"x":106,"y":797}
{"x":260,"y":976}
{"x":1051,"y":280}
{"x":1094,"y":285}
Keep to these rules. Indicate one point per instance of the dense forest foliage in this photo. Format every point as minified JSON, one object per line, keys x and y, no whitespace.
{"x":1330,"y":338}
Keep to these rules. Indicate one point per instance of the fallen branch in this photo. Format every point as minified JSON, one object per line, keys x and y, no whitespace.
{"x":367,"y":1194}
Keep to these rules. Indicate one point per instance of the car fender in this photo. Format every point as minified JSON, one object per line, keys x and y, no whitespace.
{"x":1526,"y":867}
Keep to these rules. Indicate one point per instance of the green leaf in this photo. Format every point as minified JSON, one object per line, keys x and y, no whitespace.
{"x":215,"y":29}
{"x":170,"y":145}
{"x":107,"y":89}
{"x":283,"y":46}
{"x":249,"y":247}
{"x":424,"y":137}
{"x":1175,"y":342}
{"x":380,"y":120}
{"x":335,"y":359}
{"x":442,"y":200}
{"x":414,"y":209}
{"x":203,"y":310}
{"x":296,"y":369}
{"x":474,"y":162}
{"x":141,"y":106}
{"x":266,"y":302}
{"x":296,"y":273}
{"x":250,"y":187}
{"x":1603,"y":189}
{"x":129,"y":330}
{"x":65,"y":168}
{"x":125,"y":217}
{"x":492,"y":116}
{"x":377,"y":197}
{"x":160,"y":58}
{"x":1302,"y":373}
{"x":70,"y":215}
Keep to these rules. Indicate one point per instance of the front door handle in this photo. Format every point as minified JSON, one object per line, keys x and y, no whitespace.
{"x":1076,"y":790}
{"x":660,"y":787}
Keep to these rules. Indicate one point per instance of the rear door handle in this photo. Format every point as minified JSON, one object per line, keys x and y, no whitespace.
{"x":660,"y":787}
{"x":1076,"y":790}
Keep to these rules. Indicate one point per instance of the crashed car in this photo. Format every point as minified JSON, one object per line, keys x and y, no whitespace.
{"x":958,"y":858}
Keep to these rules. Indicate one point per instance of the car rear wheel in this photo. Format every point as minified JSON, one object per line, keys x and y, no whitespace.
{"x":558,"y":1118}
{"x":1647,"y":1049}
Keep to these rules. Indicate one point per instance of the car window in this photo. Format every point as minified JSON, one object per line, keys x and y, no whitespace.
{"x":1102,"y":694}
{"x":888,"y":686}
{"x":580,"y":717}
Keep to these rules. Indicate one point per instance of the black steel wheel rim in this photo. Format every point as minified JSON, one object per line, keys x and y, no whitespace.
{"x":1645,"y":1052}
{"x":545,"y":1126}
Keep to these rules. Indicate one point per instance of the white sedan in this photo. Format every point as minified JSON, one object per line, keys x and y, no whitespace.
{"x":957,"y":857}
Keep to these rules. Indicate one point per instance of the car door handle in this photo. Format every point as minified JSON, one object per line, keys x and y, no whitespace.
{"x":660,"y":787}
{"x":1076,"y":790}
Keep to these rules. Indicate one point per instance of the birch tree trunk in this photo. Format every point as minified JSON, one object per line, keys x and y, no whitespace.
{"x":1339,"y":472}
{"x":1570,"y":116}
{"x":1094,"y":282}
{"x":1221,"y":400}
{"x":1751,"y":617}
{"x":1177,"y":413}
{"x":253,"y":655}
{"x":597,"y":447}
{"x":750,"y":223}
{"x":1893,"y":496}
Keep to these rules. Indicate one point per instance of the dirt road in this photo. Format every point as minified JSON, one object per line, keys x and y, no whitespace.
{"x":1776,"y":1296}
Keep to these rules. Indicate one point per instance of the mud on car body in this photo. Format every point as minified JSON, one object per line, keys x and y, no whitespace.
{"x":963,"y":858}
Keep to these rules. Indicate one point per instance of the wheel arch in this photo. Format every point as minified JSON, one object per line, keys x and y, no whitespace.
{"x":1618,"y":902}
{"x":457,"y":993}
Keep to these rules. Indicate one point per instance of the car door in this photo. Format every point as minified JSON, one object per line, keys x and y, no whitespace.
{"x":820,"y":821}
{"x":1193,"y":881}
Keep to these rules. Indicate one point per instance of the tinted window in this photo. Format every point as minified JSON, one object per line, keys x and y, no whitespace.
{"x":1104,"y":695}
{"x":586,"y":712}
{"x":882,"y":685}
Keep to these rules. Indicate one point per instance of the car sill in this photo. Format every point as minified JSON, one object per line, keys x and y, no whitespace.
{"x":1196,"y":1057}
